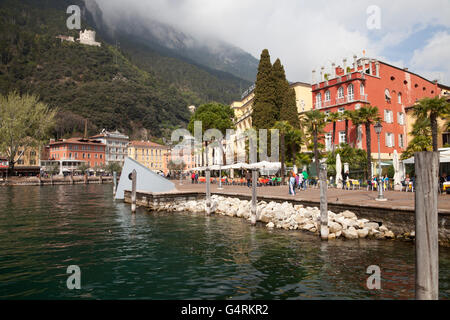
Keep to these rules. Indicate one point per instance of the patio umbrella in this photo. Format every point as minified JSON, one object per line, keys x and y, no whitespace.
{"x":338,"y":171}
{"x":397,"y":177}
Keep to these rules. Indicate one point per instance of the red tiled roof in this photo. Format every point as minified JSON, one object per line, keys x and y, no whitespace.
{"x":78,"y":141}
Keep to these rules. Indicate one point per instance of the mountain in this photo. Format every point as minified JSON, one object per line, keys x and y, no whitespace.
{"x":167,"y":40}
{"x":131,"y":87}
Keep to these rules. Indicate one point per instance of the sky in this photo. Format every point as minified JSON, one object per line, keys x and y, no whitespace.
{"x":307,"y":35}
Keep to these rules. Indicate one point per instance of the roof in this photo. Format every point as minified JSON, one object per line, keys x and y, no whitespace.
{"x":77,"y":141}
{"x":147,"y":144}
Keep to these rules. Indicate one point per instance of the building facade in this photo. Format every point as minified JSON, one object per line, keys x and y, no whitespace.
{"x":88,"y":37}
{"x":370,"y":82}
{"x":79,"y":150}
{"x":116,"y":146}
{"x":150,"y":154}
{"x":243,"y":110}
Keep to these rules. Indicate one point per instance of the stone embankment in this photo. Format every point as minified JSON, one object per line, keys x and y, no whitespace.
{"x":35,"y":181}
{"x":287,"y":216}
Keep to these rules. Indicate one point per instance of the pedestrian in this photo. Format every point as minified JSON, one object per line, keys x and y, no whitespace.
{"x":297,"y":180}
{"x":196,"y":177}
{"x":345,"y":178}
{"x":193,"y":177}
{"x":292,"y":183}
{"x":305,"y":179}
{"x":248,"y":177}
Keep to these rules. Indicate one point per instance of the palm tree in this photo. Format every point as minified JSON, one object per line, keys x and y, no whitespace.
{"x":314,"y":122}
{"x":334,"y":117}
{"x":432,"y":108}
{"x":367,"y":116}
{"x":347,"y":116}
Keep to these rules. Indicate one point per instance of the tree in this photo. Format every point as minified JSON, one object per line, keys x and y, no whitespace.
{"x":172,"y":166}
{"x":84,"y":167}
{"x":113,"y":167}
{"x":24,"y":123}
{"x":355,"y":157}
{"x":432,"y":108}
{"x":347,"y":116}
{"x":314,"y":122}
{"x":264,"y":114}
{"x":213,"y":116}
{"x":333,"y":117}
{"x":422,"y":140}
{"x":367,"y":116}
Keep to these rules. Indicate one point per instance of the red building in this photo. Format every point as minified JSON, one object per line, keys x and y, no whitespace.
{"x":371,"y":82}
{"x":89,"y":151}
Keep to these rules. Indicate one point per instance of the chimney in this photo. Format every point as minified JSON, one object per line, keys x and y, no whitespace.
{"x":355,"y":67}
{"x":345,"y":65}
{"x":322,"y":74}
{"x":333,"y":70}
{"x":406,"y":69}
{"x":314,"y":77}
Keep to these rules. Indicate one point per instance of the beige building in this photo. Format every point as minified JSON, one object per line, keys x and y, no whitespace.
{"x":244,"y":107}
{"x":150,"y":154}
{"x":443,"y":133}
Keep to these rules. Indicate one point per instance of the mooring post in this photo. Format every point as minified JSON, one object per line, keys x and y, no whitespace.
{"x":323,"y":203}
{"x":71,"y":178}
{"x":208,"y":191}
{"x":427,"y":243}
{"x":114,"y":182}
{"x":86,"y":179}
{"x":101,"y":179}
{"x":254,"y":196}
{"x":133,"y":191}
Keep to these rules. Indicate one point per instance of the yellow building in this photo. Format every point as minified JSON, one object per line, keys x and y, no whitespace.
{"x":443,"y":133}
{"x":152,"y":155}
{"x":243,"y":108}
{"x":28,"y":157}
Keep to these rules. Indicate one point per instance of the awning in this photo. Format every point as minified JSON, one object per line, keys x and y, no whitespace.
{"x":444,"y":157}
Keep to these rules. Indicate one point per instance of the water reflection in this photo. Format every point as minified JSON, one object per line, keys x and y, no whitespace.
{"x":180,"y":256}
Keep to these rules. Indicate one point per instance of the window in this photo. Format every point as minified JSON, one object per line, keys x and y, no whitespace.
{"x":400,"y":141}
{"x":361,"y":89}
{"x":328,"y":141}
{"x":340,"y":92}
{"x":387,"y":95}
{"x":341,"y":137}
{"x":319,"y":100}
{"x":401,"y":118}
{"x":446,"y":138}
{"x":350,"y":92}
{"x":341,"y":110}
{"x":327,"y":95}
{"x":399,"y":98}
{"x":388,"y":116}
{"x":390,"y":140}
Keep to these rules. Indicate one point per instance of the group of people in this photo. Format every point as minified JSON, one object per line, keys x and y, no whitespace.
{"x":384,"y":182}
{"x":298,"y":181}
{"x":194,"y":177}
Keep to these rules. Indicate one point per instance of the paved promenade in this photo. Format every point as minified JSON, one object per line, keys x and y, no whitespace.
{"x":396,"y":199}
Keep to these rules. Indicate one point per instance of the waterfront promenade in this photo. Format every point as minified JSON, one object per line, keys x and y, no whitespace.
{"x":396,"y":199}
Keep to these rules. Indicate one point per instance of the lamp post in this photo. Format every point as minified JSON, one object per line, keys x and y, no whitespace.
{"x":380,"y":197}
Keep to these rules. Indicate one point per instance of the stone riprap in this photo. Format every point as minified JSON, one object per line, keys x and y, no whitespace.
{"x":286,"y":216}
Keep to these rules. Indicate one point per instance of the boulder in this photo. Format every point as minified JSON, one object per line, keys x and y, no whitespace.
{"x":362,"y":233}
{"x":331,"y":236}
{"x":383,"y":229}
{"x":389,"y":235}
{"x":350,"y":233}
{"x":270,"y":225}
{"x":334,"y":226}
{"x":371,"y":225}
{"x":349,"y":215}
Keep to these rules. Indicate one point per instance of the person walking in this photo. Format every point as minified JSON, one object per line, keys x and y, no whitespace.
{"x":248,"y":177}
{"x":196,"y":177}
{"x":292,"y":183}
{"x":345,"y":178}
{"x":297,"y":180}
{"x":193,"y":177}
{"x":305,"y":179}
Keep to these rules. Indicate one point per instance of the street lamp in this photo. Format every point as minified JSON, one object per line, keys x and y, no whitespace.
{"x":380,"y":197}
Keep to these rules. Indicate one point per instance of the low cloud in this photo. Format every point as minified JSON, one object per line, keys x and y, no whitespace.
{"x":305,"y":35}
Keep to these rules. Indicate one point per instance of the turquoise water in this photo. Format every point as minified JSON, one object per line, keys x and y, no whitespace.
{"x":43,"y":230}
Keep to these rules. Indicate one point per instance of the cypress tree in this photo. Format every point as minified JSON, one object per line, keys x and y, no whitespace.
{"x":264,"y":102}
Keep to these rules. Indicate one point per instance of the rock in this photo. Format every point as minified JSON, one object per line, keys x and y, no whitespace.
{"x":309,"y":226}
{"x":389,"y":235}
{"x":270,"y":225}
{"x":349,"y":215}
{"x":334,"y":226}
{"x":313,"y":230}
{"x":350,"y":233}
{"x":362,"y":233}
{"x":380,"y":236}
{"x":373,"y":232}
{"x":383,"y":229}
{"x":371,"y":225}
{"x":338,"y":234}
{"x":331,"y":236}
{"x":286,"y":226}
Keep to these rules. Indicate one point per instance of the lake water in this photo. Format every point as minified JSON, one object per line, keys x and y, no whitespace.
{"x":43,"y":230}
